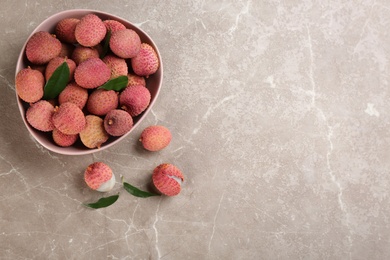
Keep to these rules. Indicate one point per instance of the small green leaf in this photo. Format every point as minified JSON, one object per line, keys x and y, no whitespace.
{"x":137,"y":192}
{"x":116,"y":84}
{"x":103,"y":202}
{"x":57,"y":82}
{"x":106,"y":44}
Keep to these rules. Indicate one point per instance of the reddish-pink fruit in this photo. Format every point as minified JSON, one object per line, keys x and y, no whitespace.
{"x":69,"y":118}
{"x":94,"y":134}
{"x":39,"y":115}
{"x":146,"y":62}
{"x":114,"y":25}
{"x":92,"y":73}
{"x":81,"y":53}
{"x":75,"y":94}
{"x":133,"y":79}
{"x":118,"y":66}
{"x":98,"y":176}
{"x":167,"y":179}
{"x":62,"y":139}
{"x":155,"y":138}
{"x":101,"y":101}
{"x":125,"y":43}
{"x":65,"y":30}
{"x":90,"y":31}
{"x":66,"y":50}
{"x":29,"y":85}
{"x":55,"y":63}
{"x":134,"y":99}
{"x":42,"y":47}
{"x":118,"y":122}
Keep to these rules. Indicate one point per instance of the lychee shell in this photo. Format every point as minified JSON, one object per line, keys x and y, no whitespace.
{"x":146,"y":62}
{"x":134,"y":99}
{"x":75,"y":94}
{"x":101,"y":101}
{"x":99,"y":176}
{"x":42,"y":47}
{"x":125,"y":43}
{"x":69,"y":118}
{"x":90,"y":31}
{"x":55,"y":63}
{"x":62,"y":139}
{"x":65,"y":30}
{"x":29,"y":85}
{"x":167,"y":179}
{"x":92,"y":73}
{"x":39,"y":115}
{"x":94,"y":134}
{"x":155,"y":138}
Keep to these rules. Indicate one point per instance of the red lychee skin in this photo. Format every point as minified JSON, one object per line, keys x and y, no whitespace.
{"x":39,"y":115}
{"x":134,"y":99}
{"x":29,"y":85}
{"x":62,"y":139}
{"x":92,"y":73}
{"x":146,"y":62}
{"x":65,"y":30}
{"x":155,"y":138}
{"x":118,"y":122}
{"x":101,"y":101}
{"x":114,"y":25}
{"x":69,"y":118}
{"x":81,"y":53}
{"x":163,"y":179}
{"x":94,"y":134}
{"x":42,"y":47}
{"x":118,"y":66}
{"x":90,"y":31}
{"x":55,"y":63}
{"x":96,"y":174}
{"x":125,"y":43}
{"x":133,"y":79}
{"x":75,"y":94}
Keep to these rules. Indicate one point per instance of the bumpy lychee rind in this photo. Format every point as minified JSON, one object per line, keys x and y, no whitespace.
{"x":134,"y":99}
{"x":62,"y":139}
{"x":94,"y":134}
{"x":155,"y":138}
{"x":114,"y":25}
{"x":82,"y":53}
{"x":29,"y":85}
{"x":101,"y":101}
{"x":125,"y":43}
{"x":133,"y":79}
{"x":99,"y":176}
{"x":42,"y":47}
{"x":146,"y":62}
{"x":39,"y":115}
{"x":69,"y":118}
{"x":90,"y":30}
{"x":167,"y":179}
{"x":75,"y":94}
{"x":55,"y":63}
{"x":118,"y":122}
{"x":92,"y":73}
{"x":118,"y":66}
{"x":65,"y":30}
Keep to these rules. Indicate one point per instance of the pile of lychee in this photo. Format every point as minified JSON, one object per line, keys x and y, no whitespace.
{"x":95,"y":51}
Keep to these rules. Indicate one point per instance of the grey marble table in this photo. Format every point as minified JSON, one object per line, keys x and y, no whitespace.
{"x":279,"y":112}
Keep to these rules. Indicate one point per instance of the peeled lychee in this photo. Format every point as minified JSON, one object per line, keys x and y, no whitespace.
{"x":114,"y":25}
{"x":42,"y":47}
{"x":118,"y":122}
{"x":75,"y":94}
{"x":98,"y":176}
{"x":155,"y":138}
{"x":69,"y":118}
{"x":39,"y":115}
{"x":29,"y":85}
{"x":92,"y":73}
{"x":94,"y":134}
{"x":146,"y":62}
{"x":125,"y":43}
{"x":65,"y":30}
{"x":90,"y":30}
{"x":118,"y":66}
{"x":133,"y":79}
{"x":55,"y":63}
{"x":134,"y":99}
{"x":81,"y":53}
{"x":101,"y":101}
{"x":62,"y":139}
{"x":167,"y":179}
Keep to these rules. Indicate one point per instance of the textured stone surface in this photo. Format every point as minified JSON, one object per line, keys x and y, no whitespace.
{"x":279,"y":112}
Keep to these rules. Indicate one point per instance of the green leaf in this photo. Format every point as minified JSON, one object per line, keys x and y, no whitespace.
{"x":137,"y":192}
{"x":106,"y":44}
{"x":116,"y":84}
{"x":103,"y":202}
{"x":57,"y":82}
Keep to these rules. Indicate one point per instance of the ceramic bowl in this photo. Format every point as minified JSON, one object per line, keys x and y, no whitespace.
{"x":153,"y":83}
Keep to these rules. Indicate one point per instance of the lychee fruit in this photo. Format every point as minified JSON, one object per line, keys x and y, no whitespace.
{"x":118,"y":66}
{"x":90,"y":30}
{"x":42,"y":47}
{"x":69,"y":118}
{"x":62,"y":139}
{"x":167,"y":179}
{"x":99,"y":176}
{"x":125,"y":43}
{"x":39,"y":115}
{"x":55,"y":63}
{"x":134,"y":99}
{"x":94,"y":134}
{"x":155,"y":138}
{"x":65,"y":30}
{"x":66,"y":50}
{"x":92,"y":73}
{"x":81,"y":53}
{"x":133,"y":79}
{"x":75,"y":94}
{"x":101,"y":101}
{"x":118,"y":122}
{"x":146,"y":62}
{"x":114,"y":25}
{"x":29,"y":85}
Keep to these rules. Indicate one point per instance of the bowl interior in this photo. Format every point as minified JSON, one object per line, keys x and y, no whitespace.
{"x":153,"y":83}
